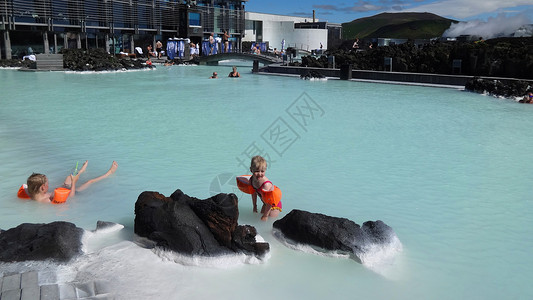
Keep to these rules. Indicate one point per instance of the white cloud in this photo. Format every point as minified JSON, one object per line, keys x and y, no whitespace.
{"x":461,"y":9}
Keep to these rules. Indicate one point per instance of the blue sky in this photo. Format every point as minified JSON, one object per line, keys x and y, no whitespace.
{"x":340,"y":11}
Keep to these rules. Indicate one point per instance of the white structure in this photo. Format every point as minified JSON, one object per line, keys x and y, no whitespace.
{"x":276,"y":28}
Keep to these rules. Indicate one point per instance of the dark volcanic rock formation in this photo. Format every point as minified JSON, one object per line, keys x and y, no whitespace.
{"x":15,"y":63}
{"x":98,"y":60}
{"x":59,"y":241}
{"x":195,"y":227}
{"x":312,"y":74}
{"x":332,"y":233}
{"x":499,"y":87}
{"x":501,"y":57}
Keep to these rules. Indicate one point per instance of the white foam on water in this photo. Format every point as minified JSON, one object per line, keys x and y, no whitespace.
{"x":307,"y":248}
{"x":381,"y":257}
{"x":97,"y":239}
{"x":226,"y":261}
{"x":134,"y":272}
{"x":317,"y":79}
{"x":127,"y":266}
{"x":141,"y":273}
{"x":109,"y":229}
{"x":221,"y":262}
{"x":259,"y":239}
{"x":376,"y":257}
{"x":123,"y":70}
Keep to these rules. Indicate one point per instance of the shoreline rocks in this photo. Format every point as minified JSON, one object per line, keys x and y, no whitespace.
{"x":499,"y":88}
{"x":98,"y":60}
{"x":58,"y":241}
{"x":15,"y":63}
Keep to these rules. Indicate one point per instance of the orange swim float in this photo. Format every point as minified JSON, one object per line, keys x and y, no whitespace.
{"x":272,"y":197}
{"x":23,"y":192}
{"x":243,"y":183}
{"x":60,"y":195}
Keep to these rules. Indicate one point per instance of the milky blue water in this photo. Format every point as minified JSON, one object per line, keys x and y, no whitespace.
{"x":449,"y":171}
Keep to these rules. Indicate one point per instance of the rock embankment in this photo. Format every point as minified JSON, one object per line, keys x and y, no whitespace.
{"x":501,"y":57}
{"x":99,"y":60}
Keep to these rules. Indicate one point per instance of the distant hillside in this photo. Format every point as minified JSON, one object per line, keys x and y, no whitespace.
{"x":397,"y":25}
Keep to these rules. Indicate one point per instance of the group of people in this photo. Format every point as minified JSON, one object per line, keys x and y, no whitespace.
{"x":213,"y":45}
{"x":158,"y":50}
{"x":233,"y":73}
{"x":256,"y":49}
{"x":194,"y":48}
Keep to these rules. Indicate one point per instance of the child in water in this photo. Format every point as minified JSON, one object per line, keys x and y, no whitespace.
{"x":259,"y":182}
{"x":38,"y":183}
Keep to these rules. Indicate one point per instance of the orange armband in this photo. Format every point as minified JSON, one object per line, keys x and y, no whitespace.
{"x":23,"y":192}
{"x":243,"y":183}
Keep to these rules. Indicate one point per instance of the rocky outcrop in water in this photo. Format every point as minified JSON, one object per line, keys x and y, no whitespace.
{"x":499,"y":87}
{"x":332,"y":233}
{"x":195,"y":227}
{"x":312,"y":74}
{"x":59,"y":241}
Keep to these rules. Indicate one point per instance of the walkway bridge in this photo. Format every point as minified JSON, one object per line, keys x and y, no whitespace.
{"x":215,"y":58}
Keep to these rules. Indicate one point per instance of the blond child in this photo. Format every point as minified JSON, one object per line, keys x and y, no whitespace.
{"x":259,"y":182}
{"x":38,"y":188}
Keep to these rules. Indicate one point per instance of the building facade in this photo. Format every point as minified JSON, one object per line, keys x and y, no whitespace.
{"x":302,"y":33}
{"x":48,"y":26}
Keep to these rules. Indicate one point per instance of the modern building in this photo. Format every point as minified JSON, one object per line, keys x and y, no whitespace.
{"x":278,"y":29}
{"x":297,"y":32}
{"x":48,"y":26}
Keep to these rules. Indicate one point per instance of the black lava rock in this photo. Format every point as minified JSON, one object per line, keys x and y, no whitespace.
{"x":195,"y":227}
{"x":333,"y":233}
{"x":59,"y":241}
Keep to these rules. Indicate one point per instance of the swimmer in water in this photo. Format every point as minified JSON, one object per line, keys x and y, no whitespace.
{"x":38,"y":188}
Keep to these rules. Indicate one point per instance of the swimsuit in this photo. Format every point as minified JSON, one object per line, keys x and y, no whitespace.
{"x":258,"y":190}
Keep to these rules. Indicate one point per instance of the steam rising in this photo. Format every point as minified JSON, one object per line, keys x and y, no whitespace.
{"x":500,"y":26}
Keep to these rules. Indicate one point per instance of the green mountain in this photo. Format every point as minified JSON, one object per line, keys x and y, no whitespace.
{"x":409,"y":25}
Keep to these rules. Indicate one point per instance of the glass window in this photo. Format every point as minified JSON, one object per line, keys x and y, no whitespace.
{"x":194,"y":19}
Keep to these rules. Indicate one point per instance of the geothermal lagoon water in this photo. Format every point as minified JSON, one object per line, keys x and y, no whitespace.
{"x":448,"y":170}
